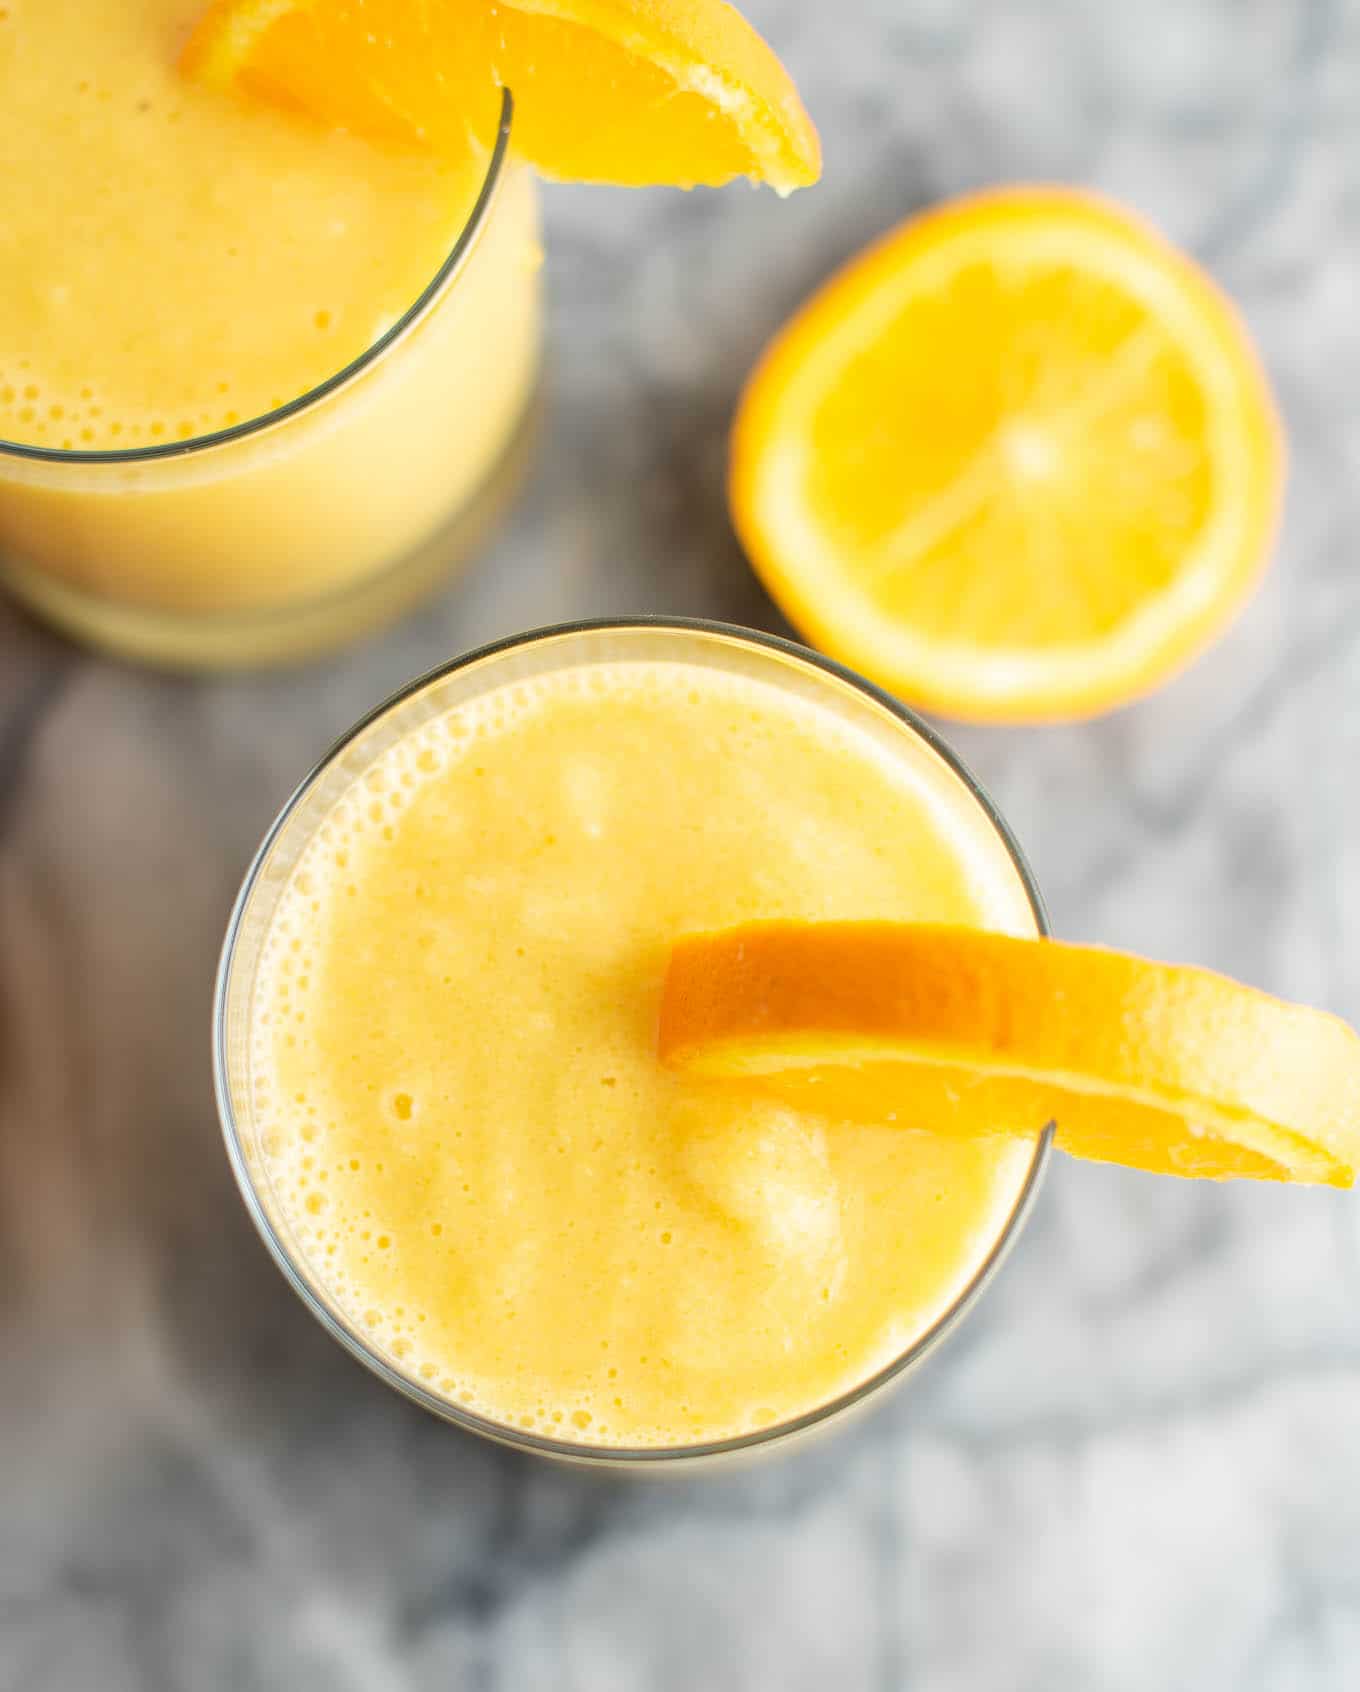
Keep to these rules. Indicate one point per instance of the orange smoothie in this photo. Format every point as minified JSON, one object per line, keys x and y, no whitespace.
{"x":459,"y":1118}
{"x":175,"y":264}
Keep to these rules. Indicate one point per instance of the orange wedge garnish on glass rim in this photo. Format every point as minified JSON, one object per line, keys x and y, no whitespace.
{"x":1017,"y":461}
{"x":959,"y":1031}
{"x":625,"y":91}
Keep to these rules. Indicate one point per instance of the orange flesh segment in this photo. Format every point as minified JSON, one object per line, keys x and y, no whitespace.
{"x":1163,"y":1068}
{"x":1016,"y":461}
{"x":680,"y":92}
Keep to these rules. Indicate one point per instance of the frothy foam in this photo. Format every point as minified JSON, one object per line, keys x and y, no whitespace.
{"x":495,"y":1128}
{"x":177,"y":263}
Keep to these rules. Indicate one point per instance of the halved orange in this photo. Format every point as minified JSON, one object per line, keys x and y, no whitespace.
{"x":625,"y":91}
{"x":1164,"y":1068}
{"x":1018,"y":461}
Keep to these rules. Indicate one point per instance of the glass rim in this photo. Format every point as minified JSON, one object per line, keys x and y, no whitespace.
{"x":346,"y":1334}
{"x":410,"y":319}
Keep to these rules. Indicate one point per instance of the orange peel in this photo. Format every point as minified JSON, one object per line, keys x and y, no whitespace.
{"x":1160,"y":1067}
{"x":636,"y":92}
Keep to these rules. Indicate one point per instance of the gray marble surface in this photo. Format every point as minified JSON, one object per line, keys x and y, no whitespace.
{"x":1138,"y":1467}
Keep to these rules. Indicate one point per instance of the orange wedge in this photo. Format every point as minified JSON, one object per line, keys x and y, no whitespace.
{"x":1017,"y":462}
{"x":1168,"y":1069}
{"x":626,"y":91}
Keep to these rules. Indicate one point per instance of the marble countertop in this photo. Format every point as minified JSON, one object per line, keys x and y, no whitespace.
{"x":1138,"y":1467}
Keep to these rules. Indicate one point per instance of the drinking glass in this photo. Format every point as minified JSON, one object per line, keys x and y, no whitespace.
{"x":739,"y":652}
{"x":299,"y":529}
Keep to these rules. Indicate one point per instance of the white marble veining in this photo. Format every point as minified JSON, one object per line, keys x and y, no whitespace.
{"x":1137,"y":1469}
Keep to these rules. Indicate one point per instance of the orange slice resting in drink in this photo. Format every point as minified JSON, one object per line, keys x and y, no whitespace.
{"x":1017,"y":461}
{"x":625,"y":91}
{"x":1173,"y":1070}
